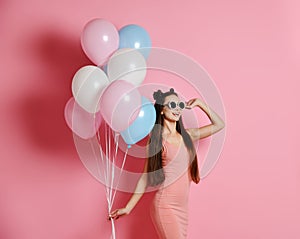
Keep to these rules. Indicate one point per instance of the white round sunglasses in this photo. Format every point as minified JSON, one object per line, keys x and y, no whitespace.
{"x":173,"y":105}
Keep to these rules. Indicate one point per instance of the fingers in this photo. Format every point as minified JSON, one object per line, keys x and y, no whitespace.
{"x":115,"y":215}
{"x":187,"y":105}
{"x":115,"y":212}
{"x":191,"y":103}
{"x":113,"y":218}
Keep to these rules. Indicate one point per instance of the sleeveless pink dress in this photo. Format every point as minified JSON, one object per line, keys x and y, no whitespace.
{"x":169,"y":210}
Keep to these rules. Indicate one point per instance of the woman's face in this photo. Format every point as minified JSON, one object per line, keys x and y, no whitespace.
{"x":172,"y":109}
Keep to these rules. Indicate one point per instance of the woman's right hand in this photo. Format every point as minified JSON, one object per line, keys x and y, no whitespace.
{"x":118,"y":213}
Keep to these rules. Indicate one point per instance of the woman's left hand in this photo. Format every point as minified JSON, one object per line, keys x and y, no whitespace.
{"x":192,"y":103}
{"x":118,"y":213}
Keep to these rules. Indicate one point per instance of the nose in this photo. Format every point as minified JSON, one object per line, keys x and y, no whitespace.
{"x":177,"y":109}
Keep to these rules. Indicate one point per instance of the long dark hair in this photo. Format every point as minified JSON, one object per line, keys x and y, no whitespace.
{"x":154,"y":168}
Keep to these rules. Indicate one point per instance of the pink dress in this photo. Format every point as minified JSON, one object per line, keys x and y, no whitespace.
{"x":169,"y":210}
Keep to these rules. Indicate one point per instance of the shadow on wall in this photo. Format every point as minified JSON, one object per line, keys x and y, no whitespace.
{"x":40,"y":112}
{"x":42,"y":107}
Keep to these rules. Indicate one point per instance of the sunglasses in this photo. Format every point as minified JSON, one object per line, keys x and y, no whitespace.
{"x":172,"y":105}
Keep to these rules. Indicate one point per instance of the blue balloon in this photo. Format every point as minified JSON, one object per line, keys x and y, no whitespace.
{"x":134,"y":36}
{"x":142,"y":125}
{"x":104,"y":68}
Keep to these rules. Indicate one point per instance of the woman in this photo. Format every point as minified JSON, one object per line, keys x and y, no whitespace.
{"x":171,"y":164}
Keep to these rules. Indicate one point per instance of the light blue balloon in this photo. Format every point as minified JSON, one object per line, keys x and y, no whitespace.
{"x":142,"y":125}
{"x":134,"y":36}
{"x":104,"y":68}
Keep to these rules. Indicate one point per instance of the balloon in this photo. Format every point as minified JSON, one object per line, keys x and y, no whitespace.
{"x":87,"y":86}
{"x":81,"y":122}
{"x":142,"y":125}
{"x":135,"y":36}
{"x":127,"y":64}
{"x":104,"y":68}
{"x":99,"y":40}
{"x":120,"y":104}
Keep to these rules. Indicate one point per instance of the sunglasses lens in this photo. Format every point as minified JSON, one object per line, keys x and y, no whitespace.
{"x":172,"y":105}
{"x":181,"y":105}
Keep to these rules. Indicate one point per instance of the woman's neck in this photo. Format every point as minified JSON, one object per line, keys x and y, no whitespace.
{"x":169,"y":127}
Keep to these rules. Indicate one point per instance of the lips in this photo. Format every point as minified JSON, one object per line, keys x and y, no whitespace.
{"x":176,"y":114}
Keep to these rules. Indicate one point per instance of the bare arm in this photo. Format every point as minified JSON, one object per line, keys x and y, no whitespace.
{"x":207,"y":130}
{"x":138,"y":193}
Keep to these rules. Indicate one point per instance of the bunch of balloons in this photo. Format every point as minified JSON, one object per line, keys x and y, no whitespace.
{"x":109,"y":89}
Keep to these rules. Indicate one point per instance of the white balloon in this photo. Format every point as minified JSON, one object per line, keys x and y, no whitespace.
{"x":127,"y":64}
{"x":87,"y":86}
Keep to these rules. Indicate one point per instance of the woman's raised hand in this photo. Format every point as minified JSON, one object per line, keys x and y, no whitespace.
{"x":118,"y":213}
{"x":192,"y":103}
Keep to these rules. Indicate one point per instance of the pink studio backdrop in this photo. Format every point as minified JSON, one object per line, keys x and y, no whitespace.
{"x":251,"y":50}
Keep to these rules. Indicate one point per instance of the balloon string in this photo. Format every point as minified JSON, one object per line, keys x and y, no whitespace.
{"x":116,"y":140}
{"x":109,"y":176}
{"x":110,"y":172}
{"x":94,"y":152}
{"x":102,"y":160}
{"x":117,"y":144}
{"x":123,"y":163}
{"x":113,"y":230}
{"x":98,"y":168}
{"x":101,"y":156}
{"x":106,"y":161}
{"x":110,"y":159}
{"x":107,"y":183}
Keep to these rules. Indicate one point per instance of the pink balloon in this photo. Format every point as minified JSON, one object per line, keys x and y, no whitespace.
{"x":99,"y":40}
{"x":120,"y":104}
{"x":81,"y":122}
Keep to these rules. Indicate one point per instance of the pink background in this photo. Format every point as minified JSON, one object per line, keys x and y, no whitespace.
{"x":251,"y":50}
